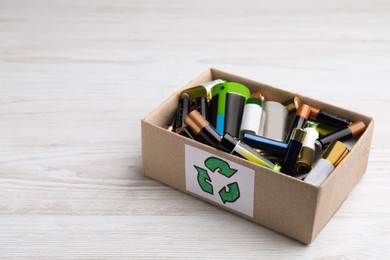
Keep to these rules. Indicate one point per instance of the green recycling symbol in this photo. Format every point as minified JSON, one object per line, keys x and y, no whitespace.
{"x":229,"y":193}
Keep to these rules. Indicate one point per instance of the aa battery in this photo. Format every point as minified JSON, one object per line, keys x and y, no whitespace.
{"x":343,"y":134}
{"x":227,"y":106}
{"x":292,"y":104}
{"x":330,"y":159}
{"x":265,"y":144}
{"x":251,"y":116}
{"x":306,"y":155}
{"x":170,"y":126}
{"x":202,"y":129}
{"x":294,"y":146}
{"x":200,"y":104}
{"x":323,"y":116}
{"x":232,"y":145}
{"x":274,"y":121}
{"x":203,"y":90}
{"x":300,"y":118}
{"x":182,"y":111}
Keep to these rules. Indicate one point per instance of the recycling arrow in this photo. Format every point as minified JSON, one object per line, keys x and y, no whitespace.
{"x":214,"y":163}
{"x":230,"y":194}
{"x":204,"y":180}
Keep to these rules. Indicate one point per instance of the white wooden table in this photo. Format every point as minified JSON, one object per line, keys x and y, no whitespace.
{"x":77,"y":77}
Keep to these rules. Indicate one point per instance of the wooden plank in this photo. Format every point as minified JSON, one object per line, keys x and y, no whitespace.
{"x":76,"y":78}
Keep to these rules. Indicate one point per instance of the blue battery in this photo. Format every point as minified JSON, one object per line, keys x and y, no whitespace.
{"x":265,"y":144}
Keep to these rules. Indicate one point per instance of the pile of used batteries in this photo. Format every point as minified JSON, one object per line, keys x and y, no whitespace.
{"x":283,"y":136}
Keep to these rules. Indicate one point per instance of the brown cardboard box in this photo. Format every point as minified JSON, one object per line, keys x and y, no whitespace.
{"x":277,"y":201}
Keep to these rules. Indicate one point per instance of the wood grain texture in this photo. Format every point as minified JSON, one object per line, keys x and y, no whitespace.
{"x":76,"y":78}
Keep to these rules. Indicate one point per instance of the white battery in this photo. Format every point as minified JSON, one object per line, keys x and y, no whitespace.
{"x":311,"y":136}
{"x":251,"y":118}
{"x":320,"y":172}
{"x":274,"y":125}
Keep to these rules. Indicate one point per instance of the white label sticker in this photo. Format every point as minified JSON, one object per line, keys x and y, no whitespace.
{"x":220,"y":180}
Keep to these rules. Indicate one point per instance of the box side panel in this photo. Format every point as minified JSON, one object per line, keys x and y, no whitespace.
{"x":342,"y":180}
{"x":162,"y":155}
{"x":274,"y":206}
{"x":285,"y":204}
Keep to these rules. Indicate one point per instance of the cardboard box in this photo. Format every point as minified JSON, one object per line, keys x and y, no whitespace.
{"x":274,"y":200}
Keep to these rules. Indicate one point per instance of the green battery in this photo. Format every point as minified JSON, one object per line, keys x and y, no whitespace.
{"x":227,"y":106}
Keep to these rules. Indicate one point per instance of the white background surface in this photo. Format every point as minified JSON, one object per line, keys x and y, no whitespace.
{"x":76,"y":78}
